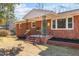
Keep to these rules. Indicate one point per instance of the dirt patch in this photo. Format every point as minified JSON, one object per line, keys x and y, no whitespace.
{"x":29,"y":49}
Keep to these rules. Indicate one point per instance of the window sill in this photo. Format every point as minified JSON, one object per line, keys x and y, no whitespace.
{"x":63,"y":29}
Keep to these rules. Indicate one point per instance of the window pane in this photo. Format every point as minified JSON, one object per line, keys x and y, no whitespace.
{"x":54,"y":26}
{"x":61,"y":23}
{"x":69,"y":22}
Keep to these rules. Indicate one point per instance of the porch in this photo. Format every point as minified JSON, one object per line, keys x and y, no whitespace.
{"x":37,"y":36}
{"x":39,"y":31}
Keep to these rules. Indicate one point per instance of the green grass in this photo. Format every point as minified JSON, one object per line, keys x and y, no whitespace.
{"x":60,"y":51}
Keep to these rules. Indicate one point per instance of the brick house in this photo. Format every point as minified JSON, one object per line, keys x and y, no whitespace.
{"x":60,"y":25}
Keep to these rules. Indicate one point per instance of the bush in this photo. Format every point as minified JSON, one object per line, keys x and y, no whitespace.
{"x":4,"y":32}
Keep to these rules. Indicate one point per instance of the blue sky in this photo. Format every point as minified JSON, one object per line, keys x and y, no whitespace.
{"x":24,"y":8}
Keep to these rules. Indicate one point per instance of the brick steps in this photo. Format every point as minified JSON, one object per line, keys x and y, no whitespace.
{"x":37,"y":40}
{"x":67,"y":44}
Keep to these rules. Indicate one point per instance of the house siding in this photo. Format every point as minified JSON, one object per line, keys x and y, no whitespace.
{"x":26,"y":26}
{"x":23,"y":27}
{"x":68,"y":33}
{"x":72,"y":34}
{"x":38,"y":24}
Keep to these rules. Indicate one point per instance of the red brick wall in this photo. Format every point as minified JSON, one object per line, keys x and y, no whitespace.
{"x":17,"y":29}
{"x":23,"y":27}
{"x":26,"y":26}
{"x":76,"y":26}
{"x":68,"y":33}
{"x":38,"y":24}
{"x":56,"y":33}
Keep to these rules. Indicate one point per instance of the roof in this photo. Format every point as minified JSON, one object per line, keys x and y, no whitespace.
{"x":69,"y":11}
{"x":40,"y":12}
{"x":37,"y":12}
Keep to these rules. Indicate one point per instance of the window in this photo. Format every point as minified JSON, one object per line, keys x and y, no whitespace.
{"x":61,"y":23}
{"x":69,"y":22}
{"x":33,"y":24}
{"x":54,"y":24}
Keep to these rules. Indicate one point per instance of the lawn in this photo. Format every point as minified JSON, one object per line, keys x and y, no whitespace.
{"x":60,"y":51}
{"x":37,"y":50}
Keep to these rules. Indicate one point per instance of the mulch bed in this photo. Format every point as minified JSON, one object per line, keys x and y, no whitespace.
{"x":65,"y":40}
{"x":73,"y":43}
{"x":65,"y":44}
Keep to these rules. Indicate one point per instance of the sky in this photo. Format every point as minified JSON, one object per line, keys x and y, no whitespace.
{"x":24,"y":8}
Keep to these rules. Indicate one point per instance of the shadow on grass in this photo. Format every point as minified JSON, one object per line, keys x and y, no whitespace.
{"x":11,"y":51}
{"x":46,"y":52}
{"x":59,"y":51}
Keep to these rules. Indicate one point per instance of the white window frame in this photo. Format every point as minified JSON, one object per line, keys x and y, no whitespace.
{"x":72,"y":23}
{"x":60,"y":28}
{"x":66,"y":24}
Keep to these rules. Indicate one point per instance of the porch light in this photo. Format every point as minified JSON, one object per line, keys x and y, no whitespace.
{"x":48,"y":24}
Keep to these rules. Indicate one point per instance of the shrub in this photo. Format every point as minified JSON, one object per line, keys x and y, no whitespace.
{"x":4,"y":32}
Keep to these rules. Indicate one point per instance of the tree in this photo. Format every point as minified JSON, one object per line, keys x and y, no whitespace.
{"x":7,"y":12}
